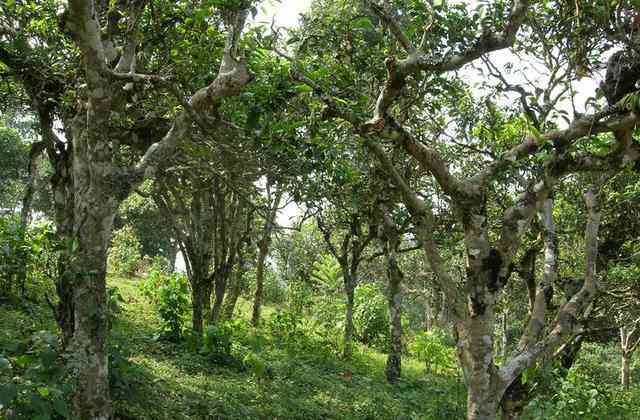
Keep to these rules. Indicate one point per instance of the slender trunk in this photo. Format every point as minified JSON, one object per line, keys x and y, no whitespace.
{"x":173,"y":256}
{"x":429,"y":314}
{"x":220,"y":288}
{"x":394,"y":359}
{"x":349,"y":286}
{"x":505,"y":337}
{"x":63,"y":199}
{"x":65,"y":309}
{"x":238,"y":285}
{"x":625,"y":370}
{"x":197,"y":308}
{"x":232,"y":298}
{"x":200,"y":297}
{"x":25,"y":211}
{"x":257,"y":299}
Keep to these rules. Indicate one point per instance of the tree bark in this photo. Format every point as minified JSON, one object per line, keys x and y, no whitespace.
{"x":393,"y":368}
{"x":349,"y":287}
{"x":475,"y":348}
{"x":200,"y":297}
{"x":220,"y":289}
{"x":234,"y":293}
{"x":263,"y":246}
{"x":257,"y":299}
{"x":625,"y":370}
{"x":94,"y":212}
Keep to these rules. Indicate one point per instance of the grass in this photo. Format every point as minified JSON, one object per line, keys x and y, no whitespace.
{"x":173,"y":381}
{"x":154,"y":379}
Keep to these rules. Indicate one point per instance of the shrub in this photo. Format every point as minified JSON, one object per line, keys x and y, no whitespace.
{"x":173,"y":305}
{"x":222,"y":341}
{"x":125,"y":252}
{"x":370,"y":318}
{"x":578,"y":396}
{"x":157,"y":273}
{"x":431,"y":348}
{"x":33,"y":383}
{"x":27,"y":255}
{"x":286,"y":326}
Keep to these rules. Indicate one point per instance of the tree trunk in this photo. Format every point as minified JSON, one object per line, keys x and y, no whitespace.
{"x":236,"y":290}
{"x":220,"y":288}
{"x":65,"y":310}
{"x":505,"y":336}
{"x":476,"y":353}
{"x":200,"y":297}
{"x":197,"y":310}
{"x":257,"y":300}
{"x":394,"y":359}
{"x":173,"y":256}
{"x":232,"y":297}
{"x":349,"y":286}
{"x":625,"y":370}
{"x":94,"y":214}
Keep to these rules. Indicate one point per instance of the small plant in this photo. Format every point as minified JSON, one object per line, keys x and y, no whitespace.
{"x":32,"y":383}
{"x":370,"y":319}
{"x":173,"y":305}
{"x":286,"y":326}
{"x":431,"y":348}
{"x":222,"y":341}
{"x":125,"y":252}
{"x":156,"y":275}
{"x":27,"y":255}
{"x":327,"y":273}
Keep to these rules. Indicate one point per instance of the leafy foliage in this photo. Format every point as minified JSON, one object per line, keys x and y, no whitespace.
{"x":33,"y":384}
{"x":433,"y":349}
{"x":125,"y":252}
{"x":370,"y":318}
{"x":27,"y":254}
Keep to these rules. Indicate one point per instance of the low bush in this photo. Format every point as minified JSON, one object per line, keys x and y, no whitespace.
{"x":27,"y":255}
{"x":33,"y":381}
{"x":370,"y":316}
{"x":432,"y":348}
{"x":173,"y":305}
{"x":125,"y":252}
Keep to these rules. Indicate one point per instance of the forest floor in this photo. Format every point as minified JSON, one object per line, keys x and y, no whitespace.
{"x":157,"y":379}
{"x":163,"y":380}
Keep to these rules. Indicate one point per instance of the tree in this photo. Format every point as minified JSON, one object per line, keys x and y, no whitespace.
{"x":211,"y":218}
{"x":491,"y":240}
{"x":273,"y":204}
{"x":100,"y":47}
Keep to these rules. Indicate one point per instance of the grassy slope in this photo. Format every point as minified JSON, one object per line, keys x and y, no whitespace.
{"x":169,"y":381}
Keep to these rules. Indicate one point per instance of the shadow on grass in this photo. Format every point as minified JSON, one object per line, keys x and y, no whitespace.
{"x":165,"y":380}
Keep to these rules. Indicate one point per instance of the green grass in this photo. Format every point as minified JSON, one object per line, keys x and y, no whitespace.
{"x":173,"y":381}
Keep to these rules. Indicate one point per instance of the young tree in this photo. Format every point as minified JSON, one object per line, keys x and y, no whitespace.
{"x":273,"y":202}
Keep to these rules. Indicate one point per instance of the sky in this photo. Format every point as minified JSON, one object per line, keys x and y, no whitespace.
{"x":285,"y":12}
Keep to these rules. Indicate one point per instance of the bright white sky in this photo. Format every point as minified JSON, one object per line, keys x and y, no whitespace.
{"x":285,"y":12}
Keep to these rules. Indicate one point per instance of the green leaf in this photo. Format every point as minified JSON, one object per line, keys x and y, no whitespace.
{"x":60,"y":407}
{"x":5,"y":365}
{"x":363,"y":23}
{"x":8,"y":393}
{"x":304,"y":88}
